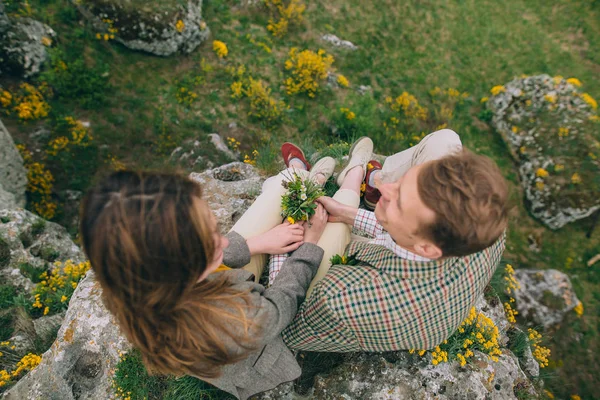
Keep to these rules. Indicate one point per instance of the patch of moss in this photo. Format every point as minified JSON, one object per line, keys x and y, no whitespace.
{"x":4,"y":220}
{"x":31,"y":271}
{"x":26,"y":238}
{"x":49,"y":254}
{"x":38,"y":227}
{"x":552,"y":301}
{"x":4,"y":253}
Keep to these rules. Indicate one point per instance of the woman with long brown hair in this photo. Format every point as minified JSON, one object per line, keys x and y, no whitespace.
{"x":154,"y":245}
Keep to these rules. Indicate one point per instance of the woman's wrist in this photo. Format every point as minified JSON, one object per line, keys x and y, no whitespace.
{"x":255,"y":245}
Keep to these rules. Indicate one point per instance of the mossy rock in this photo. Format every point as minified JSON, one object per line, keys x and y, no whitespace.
{"x":162,"y":28}
{"x":552,"y":129}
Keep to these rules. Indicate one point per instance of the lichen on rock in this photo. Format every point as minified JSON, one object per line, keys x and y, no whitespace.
{"x":552,"y":130}
{"x":160,"y":28}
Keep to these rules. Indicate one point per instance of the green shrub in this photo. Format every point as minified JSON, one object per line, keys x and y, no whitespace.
{"x":7,"y":294}
{"x":131,"y":380}
{"x":74,"y":80}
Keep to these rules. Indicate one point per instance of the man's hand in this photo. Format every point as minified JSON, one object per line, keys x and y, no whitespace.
{"x":337,"y":211}
{"x":282,"y":239}
{"x":314,"y":230}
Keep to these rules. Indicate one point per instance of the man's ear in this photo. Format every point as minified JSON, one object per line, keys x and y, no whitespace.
{"x":428,"y":250}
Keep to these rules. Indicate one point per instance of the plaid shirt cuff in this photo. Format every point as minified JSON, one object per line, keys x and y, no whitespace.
{"x":366,"y":222}
{"x":275,"y":263}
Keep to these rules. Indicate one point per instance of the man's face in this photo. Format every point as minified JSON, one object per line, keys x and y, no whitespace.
{"x":402,"y":213}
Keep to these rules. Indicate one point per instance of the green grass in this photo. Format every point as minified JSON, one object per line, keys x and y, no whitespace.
{"x":131,"y":378}
{"x":409,"y":46}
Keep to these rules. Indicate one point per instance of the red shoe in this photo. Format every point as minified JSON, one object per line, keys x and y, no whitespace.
{"x":372,"y":194}
{"x":289,"y":151}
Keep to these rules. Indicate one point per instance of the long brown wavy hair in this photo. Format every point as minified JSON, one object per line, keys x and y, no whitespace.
{"x":149,"y":238}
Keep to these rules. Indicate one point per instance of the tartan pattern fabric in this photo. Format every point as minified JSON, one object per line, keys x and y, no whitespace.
{"x":366,"y":222}
{"x":275,"y":263}
{"x":388,"y":303}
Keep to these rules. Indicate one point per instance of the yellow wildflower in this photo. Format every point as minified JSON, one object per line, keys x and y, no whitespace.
{"x":63,"y":298}
{"x":559,"y":167}
{"x":579,"y":309}
{"x":574,"y":82}
{"x":342,"y":81}
{"x":589,"y":100}
{"x":46,"y":41}
{"x":575,"y":397}
{"x":484,"y":100}
{"x":575,"y":178}
{"x":180,"y":26}
{"x":496,"y":90}
{"x":550,"y":98}
{"x":291,"y":220}
{"x":220,"y":48}
{"x":515,"y":129}
{"x":541,"y":172}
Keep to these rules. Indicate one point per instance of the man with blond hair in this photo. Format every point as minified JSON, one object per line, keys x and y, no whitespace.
{"x":436,"y":238}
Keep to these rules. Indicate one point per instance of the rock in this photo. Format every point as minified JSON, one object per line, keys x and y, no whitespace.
{"x":544,"y":297}
{"x":80,"y":363}
{"x":549,"y":128}
{"x":364,"y":89}
{"x":337,"y":42}
{"x":229,"y":190}
{"x":217,"y":140}
{"x":160,"y":28}
{"x":44,"y":326}
{"x":7,"y":199}
{"x":13,"y":175}
{"x":31,"y":240}
{"x":22,"y":47}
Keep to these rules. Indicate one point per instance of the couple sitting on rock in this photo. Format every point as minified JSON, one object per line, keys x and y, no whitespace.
{"x":428,"y":251}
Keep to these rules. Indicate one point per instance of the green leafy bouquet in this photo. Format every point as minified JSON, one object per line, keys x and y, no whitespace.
{"x":298,"y":203}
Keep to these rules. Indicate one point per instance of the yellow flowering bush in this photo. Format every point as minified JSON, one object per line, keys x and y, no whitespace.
{"x":579,"y":309}
{"x":476,"y":333}
{"x":233,"y":143}
{"x":284,"y":14}
{"x":109,"y":32}
{"x":307,"y":69}
{"x":349,"y":115}
{"x":251,"y":159}
{"x":185,"y":96}
{"x":27,"y":363}
{"x":540,"y":353}
{"x":56,"y":287}
{"x":39,"y":185}
{"x":180,"y":26}
{"x":589,"y":100}
{"x":220,"y":49}
{"x":28,"y":102}
{"x":263,"y":106}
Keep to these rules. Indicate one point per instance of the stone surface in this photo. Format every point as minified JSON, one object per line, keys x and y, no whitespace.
{"x":22,"y":51}
{"x":81,"y":361}
{"x":160,"y":28}
{"x":544,"y":297}
{"x":32,"y":240}
{"x":220,"y":145}
{"x":13,"y":175}
{"x":529,"y":115}
{"x":229,"y":189}
{"x":337,"y":42}
{"x":7,"y":199}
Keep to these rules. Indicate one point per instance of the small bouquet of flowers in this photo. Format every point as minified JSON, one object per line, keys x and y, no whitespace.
{"x":298,"y":203}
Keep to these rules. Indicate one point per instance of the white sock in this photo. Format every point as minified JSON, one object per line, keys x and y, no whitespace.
{"x":297,"y":161}
{"x":372,"y":178}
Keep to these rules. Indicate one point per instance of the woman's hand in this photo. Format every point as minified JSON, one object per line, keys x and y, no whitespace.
{"x":314,"y":230}
{"x":282,"y":239}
